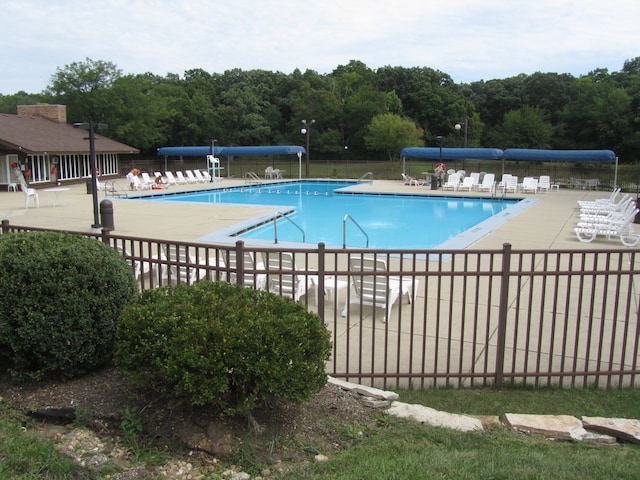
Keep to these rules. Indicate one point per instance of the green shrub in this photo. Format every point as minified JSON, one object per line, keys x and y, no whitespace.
{"x":223,"y":345}
{"x":60,"y":298}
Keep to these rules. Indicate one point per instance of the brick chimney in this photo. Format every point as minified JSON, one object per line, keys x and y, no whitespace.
{"x":55,"y":113}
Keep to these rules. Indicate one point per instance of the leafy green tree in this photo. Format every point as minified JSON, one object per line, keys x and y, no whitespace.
{"x":390,"y":133}
{"x":138,"y":115}
{"x":524,"y":128}
{"x":84,"y":88}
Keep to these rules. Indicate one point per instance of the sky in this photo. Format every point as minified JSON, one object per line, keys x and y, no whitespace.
{"x":470,"y":40}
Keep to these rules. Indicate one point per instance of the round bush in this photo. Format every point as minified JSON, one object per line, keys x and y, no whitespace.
{"x":60,"y":298}
{"x":223,"y":345}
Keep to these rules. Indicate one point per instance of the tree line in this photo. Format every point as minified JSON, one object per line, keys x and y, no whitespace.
{"x":359,"y":112}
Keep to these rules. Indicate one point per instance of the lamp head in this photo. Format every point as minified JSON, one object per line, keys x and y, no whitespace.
{"x":458,"y":126}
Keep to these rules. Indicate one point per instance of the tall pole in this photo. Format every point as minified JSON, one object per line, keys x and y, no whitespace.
{"x":306,"y":130}
{"x":465,"y":122}
{"x":94,"y":176}
{"x":91,"y":127}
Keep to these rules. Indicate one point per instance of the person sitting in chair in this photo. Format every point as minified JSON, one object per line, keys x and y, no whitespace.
{"x":159,"y":183}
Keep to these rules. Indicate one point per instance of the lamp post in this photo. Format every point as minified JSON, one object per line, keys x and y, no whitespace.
{"x":305,"y":130}
{"x":440,"y":138}
{"x":458,"y":126}
{"x":91,"y":127}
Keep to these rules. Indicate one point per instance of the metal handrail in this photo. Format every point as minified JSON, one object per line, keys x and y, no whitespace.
{"x":275,"y":227}
{"x":114,"y":189}
{"x":252,"y":176}
{"x":368,"y":174}
{"x":344,"y":230}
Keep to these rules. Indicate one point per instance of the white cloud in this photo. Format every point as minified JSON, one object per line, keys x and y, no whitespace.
{"x":467,"y":39}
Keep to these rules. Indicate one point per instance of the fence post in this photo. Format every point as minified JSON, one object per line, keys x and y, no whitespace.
{"x":320,"y":289}
{"x":239,"y":263}
{"x":502,"y":312}
{"x":105,"y":236}
{"x":5,"y":226}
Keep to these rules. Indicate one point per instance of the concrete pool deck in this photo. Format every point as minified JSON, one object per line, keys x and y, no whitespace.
{"x":546,"y":224}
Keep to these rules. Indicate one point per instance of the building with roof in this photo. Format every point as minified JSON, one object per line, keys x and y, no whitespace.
{"x":39,"y":142}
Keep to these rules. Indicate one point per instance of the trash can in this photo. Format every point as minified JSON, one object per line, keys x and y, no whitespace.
{"x":89,"y":186}
{"x":434,"y":182}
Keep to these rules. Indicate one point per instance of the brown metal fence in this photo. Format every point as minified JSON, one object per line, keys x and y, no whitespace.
{"x":436,"y":318}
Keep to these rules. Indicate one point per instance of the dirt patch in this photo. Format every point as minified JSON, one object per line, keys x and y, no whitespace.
{"x":292,"y":434}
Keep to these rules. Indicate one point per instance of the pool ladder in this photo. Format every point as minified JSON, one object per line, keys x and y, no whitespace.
{"x":344,"y":230}
{"x":275,"y":226}
{"x":368,"y":175}
{"x":252,"y":176}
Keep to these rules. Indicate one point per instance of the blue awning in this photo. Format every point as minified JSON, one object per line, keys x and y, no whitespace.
{"x":452,"y":153}
{"x":603,"y":156}
{"x":201,"y":151}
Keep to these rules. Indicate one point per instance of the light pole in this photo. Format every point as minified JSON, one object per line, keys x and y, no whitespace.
{"x":458,"y":126}
{"x":440,"y":138}
{"x":91,"y":126}
{"x":305,"y":130}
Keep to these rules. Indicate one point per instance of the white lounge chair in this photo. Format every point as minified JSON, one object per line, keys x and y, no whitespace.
{"x":180,"y":178}
{"x":146,"y":178}
{"x":511,"y":184}
{"x":408,"y":180}
{"x":452,"y":183}
{"x":284,"y":280}
{"x":191,"y":178}
{"x":488,"y":183}
{"x":544,"y":183}
{"x":606,"y":208}
{"x":30,"y":194}
{"x":199,"y":177}
{"x":136,"y":184}
{"x":601,"y":201}
{"x":206,"y":176}
{"x":467,"y":184}
{"x":475,"y":176}
{"x":530,"y":185}
{"x":171,"y":180}
{"x":229,"y":260}
{"x":613,"y":226}
{"x":604,"y":216}
{"x":180,"y":266}
{"x":502,"y":184}
{"x":372,"y":287}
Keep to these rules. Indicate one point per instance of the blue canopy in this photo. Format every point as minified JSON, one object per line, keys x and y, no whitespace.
{"x":200,"y":151}
{"x":603,"y":156}
{"x":452,"y":153}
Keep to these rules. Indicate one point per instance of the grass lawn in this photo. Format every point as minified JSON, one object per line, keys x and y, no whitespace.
{"x":407,"y":450}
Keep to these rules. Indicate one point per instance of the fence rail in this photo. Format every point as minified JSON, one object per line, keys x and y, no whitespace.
{"x":437,"y":317}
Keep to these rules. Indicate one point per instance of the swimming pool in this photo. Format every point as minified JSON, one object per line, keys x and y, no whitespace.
{"x":316,"y":212}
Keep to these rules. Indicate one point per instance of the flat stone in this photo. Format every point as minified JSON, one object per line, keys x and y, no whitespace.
{"x":363,"y":390}
{"x":434,"y":417}
{"x":560,"y":427}
{"x":622,"y":428}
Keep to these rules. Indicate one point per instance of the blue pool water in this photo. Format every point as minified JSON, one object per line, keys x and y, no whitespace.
{"x":390,"y":221}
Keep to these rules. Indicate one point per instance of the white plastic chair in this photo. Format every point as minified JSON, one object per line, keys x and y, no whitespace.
{"x":268,"y":172}
{"x":284,"y":280}
{"x":30,"y":193}
{"x":372,"y":287}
